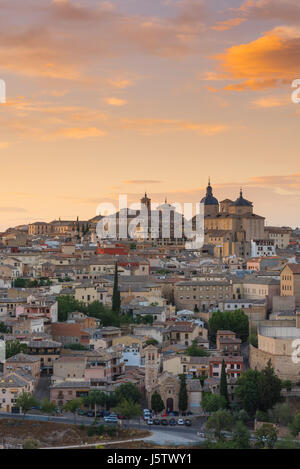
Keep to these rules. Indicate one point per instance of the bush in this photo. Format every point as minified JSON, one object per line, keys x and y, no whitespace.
{"x":100,"y":429}
{"x":91,"y":431}
{"x":30,"y":443}
{"x":111,"y":431}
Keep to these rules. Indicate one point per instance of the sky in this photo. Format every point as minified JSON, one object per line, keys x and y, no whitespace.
{"x":126,"y":96}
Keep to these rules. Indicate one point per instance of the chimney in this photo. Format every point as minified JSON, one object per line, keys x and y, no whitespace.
{"x":298,"y":319}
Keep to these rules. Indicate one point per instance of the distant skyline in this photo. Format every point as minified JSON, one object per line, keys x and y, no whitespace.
{"x":122,"y":96}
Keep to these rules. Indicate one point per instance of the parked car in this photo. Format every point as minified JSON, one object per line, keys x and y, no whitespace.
{"x":111,"y":419}
{"x":172,"y":422}
{"x":180,"y":422}
{"x":81,"y":412}
{"x":149,"y":422}
{"x":164,"y":422}
{"x":121,"y":417}
{"x":91,"y":413}
{"x":156,"y":422}
{"x":188,"y":422}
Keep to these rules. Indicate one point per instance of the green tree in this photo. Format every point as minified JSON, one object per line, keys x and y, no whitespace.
{"x":151,"y":342}
{"x":116,"y":298}
{"x":73,"y":406}
{"x":295,"y":425}
{"x":128,"y":391}
{"x":194,"y":351}
{"x":75,"y":347}
{"x":19,"y":283}
{"x":241,"y":436}
{"x":212,"y":402}
{"x":183,"y":396}
{"x":223,"y":383}
{"x":219,"y":422}
{"x":13,"y":347}
{"x":269,"y":388}
{"x":96,"y":398}
{"x":48,"y":407}
{"x":253,"y":339}
{"x":128,"y":409}
{"x":236,"y":321}
{"x":286,"y":443}
{"x":287,"y":384}
{"x":68,"y":304}
{"x":3,"y":328}
{"x":266,"y":436}
{"x":157,"y":404}
{"x":26,"y":401}
{"x":258,"y":390}
{"x":281,"y":413}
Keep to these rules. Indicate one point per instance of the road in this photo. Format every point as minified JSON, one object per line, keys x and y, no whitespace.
{"x":160,"y":434}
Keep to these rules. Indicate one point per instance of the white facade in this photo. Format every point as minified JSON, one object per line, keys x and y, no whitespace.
{"x":262,"y":248}
{"x":132,"y":356}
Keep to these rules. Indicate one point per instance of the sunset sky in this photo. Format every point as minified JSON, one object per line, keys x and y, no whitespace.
{"x":122,"y":96}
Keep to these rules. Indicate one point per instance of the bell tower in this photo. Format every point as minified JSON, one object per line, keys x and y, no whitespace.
{"x":147,"y":202}
{"x":151,"y":367}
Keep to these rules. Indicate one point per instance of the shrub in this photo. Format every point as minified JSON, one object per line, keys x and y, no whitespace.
{"x":91,"y":431}
{"x":30,"y":443}
{"x":111,"y":431}
{"x":100,"y":429}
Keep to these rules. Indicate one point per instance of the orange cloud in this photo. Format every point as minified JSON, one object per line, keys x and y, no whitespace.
{"x":228,"y":24}
{"x":271,"y":102}
{"x":159,"y":126}
{"x":287,"y":10}
{"x":79,"y":133}
{"x":116,"y":101}
{"x":264,"y":63}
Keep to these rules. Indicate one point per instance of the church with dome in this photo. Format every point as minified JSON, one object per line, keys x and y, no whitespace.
{"x":230,"y":226}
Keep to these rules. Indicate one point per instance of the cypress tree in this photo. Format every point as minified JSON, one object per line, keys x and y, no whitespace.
{"x":223,"y":383}
{"x":183,"y":396}
{"x":116,"y":299}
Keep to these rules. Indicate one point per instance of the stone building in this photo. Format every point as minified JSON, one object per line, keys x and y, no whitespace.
{"x":204,"y":295}
{"x":231,"y":225}
{"x":277,"y":341}
{"x":290,"y":282}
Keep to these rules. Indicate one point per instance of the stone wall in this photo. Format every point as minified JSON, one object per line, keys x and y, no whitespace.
{"x":282,"y":364}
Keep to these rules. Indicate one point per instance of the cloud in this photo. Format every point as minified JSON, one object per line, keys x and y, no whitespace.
{"x":228,"y":24}
{"x":62,"y":39}
{"x":154,"y":126}
{"x":266,"y":62}
{"x":287,"y":10}
{"x":13,"y":209}
{"x":142,"y":181}
{"x":78,"y":133}
{"x":115,"y":101}
{"x":4,"y":145}
{"x":271,"y":102}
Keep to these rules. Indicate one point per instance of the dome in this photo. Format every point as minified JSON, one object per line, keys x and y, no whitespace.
{"x":209,"y":199}
{"x":241,"y":202}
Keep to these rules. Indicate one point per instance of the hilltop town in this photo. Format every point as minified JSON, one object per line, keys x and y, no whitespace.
{"x":104,"y":328}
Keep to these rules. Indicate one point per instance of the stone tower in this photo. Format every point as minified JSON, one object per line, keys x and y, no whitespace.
{"x":147,"y":202}
{"x":152,"y":362}
{"x":211,"y":204}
